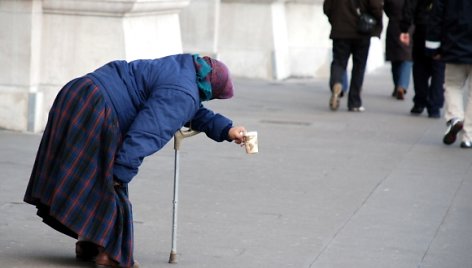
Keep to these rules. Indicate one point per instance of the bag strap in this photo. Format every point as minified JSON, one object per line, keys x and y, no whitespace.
{"x":357,"y":6}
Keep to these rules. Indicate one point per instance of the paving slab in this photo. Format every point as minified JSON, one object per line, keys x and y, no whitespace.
{"x":327,"y":189}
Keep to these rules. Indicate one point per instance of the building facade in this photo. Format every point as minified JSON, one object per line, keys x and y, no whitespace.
{"x":45,"y":43}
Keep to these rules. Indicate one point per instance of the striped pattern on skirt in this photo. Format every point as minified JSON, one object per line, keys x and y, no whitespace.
{"x":72,"y":178}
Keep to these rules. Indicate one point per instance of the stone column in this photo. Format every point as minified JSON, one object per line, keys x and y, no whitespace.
{"x":308,"y":35}
{"x":49,"y":42}
{"x":253,"y":38}
{"x":79,"y":36}
{"x":20,"y":42}
{"x":310,"y":48}
{"x":199,"y":23}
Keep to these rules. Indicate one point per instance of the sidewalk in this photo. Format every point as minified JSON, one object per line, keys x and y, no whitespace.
{"x":327,"y":189}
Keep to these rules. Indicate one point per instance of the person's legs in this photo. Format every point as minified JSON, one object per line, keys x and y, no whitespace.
{"x":454,"y":107}
{"x":421,"y":71}
{"x":421,"y":75}
{"x":341,"y":53}
{"x":454,"y":82}
{"x":435,"y":94}
{"x":404,"y":73}
{"x":345,"y":81}
{"x":401,"y":71}
{"x":395,"y":66}
{"x":467,"y":137}
{"x":360,"y":52}
{"x":394,"y":69}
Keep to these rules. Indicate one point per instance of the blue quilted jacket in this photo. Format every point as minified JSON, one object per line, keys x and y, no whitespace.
{"x":153,"y":99}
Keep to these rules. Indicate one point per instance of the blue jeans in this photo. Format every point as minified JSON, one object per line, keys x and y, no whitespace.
{"x":401,"y":72}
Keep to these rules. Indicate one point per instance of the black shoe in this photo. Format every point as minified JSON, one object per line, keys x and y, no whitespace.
{"x":453,"y":127}
{"x":417,"y":110}
{"x":466,"y":144}
{"x":434,"y":114}
{"x":86,"y":251}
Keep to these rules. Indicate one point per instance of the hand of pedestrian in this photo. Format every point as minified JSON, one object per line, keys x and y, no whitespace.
{"x":236,"y":134}
{"x":405,"y":38}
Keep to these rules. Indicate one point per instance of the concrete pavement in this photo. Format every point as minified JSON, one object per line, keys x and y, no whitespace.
{"x":328,"y":189}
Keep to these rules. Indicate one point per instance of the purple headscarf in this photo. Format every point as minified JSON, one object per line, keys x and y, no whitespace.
{"x":220,"y":80}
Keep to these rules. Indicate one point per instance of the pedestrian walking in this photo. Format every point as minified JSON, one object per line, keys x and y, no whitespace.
{"x":428,"y":73}
{"x":398,"y":53}
{"x":450,"y":39}
{"x":344,"y":16}
{"x":100,"y":128}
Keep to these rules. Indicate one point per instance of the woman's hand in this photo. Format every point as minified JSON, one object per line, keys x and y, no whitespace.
{"x":236,"y":134}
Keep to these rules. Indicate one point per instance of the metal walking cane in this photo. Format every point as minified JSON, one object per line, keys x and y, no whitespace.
{"x":178,"y":137}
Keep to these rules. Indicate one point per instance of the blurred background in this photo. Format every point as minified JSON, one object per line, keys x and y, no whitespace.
{"x":46,"y":43}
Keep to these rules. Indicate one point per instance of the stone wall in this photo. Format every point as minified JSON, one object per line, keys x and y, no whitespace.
{"x":45,"y":43}
{"x":266,"y":39}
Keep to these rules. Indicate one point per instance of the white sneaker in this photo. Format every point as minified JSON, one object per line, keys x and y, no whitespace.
{"x":357,"y":109}
{"x":466,"y":144}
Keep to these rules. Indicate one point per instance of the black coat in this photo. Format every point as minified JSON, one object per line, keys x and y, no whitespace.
{"x":415,"y":12}
{"x":451,"y":29}
{"x":394,"y":49}
{"x":343,"y":17}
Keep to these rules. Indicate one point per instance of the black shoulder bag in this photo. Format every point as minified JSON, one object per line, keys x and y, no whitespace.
{"x":367,"y":22}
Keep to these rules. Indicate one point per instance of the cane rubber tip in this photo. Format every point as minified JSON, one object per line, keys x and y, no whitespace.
{"x":173,"y":257}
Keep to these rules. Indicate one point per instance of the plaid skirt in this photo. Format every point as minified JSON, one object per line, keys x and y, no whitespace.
{"x":71,"y":183}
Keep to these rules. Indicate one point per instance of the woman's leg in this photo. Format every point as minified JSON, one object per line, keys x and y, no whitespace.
{"x":404,"y":74}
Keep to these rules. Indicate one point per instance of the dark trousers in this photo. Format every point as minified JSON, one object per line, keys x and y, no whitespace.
{"x":428,"y":75}
{"x":342,"y":50}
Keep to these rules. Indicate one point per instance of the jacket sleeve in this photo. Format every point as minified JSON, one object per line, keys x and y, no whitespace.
{"x":215,"y":126}
{"x":408,"y":12}
{"x":435,"y":28}
{"x":327,"y":9}
{"x":165,"y":112}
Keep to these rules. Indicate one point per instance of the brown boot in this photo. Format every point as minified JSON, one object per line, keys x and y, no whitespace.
{"x":104,"y":261}
{"x":401,"y":93}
